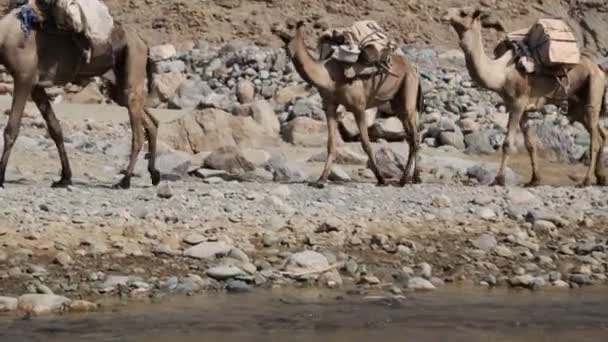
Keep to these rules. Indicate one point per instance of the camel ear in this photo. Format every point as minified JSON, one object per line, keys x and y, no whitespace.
{"x":477,"y":13}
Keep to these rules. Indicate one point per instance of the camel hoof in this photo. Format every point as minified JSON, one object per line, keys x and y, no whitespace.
{"x":602,"y":180}
{"x":62,"y":183}
{"x":317,"y":185}
{"x":585,"y":183}
{"x":533,"y":183}
{"x":155,"y":176}
{"x":125,"y":183}
{"x":382,"y":182}
{"x":417,"y":178}
{"x":499,"y":181}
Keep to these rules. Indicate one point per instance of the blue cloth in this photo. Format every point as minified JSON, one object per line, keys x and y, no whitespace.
{"x":28,"y":18}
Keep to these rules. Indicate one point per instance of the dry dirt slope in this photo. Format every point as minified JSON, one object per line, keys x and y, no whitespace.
{"x":411,"y":21}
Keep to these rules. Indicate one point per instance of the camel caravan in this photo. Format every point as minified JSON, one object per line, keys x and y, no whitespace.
{"x":55,"y":42}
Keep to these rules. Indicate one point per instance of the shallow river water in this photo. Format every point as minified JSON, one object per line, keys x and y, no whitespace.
{"x":452,"y":314}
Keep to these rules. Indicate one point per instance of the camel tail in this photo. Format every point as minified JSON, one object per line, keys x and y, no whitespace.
{"x":150,"y":74}
{"x":604,"y":110}
{"x":420,"y":99}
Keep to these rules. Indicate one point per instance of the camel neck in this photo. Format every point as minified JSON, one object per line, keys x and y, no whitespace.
{"x":484,"y":70}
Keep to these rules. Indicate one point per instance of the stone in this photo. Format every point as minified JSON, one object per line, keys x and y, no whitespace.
{"x":63,"y":259}
{"x":208,"y":250}
{"x":306,"y":262}
{"x":520,"y":197}
{"x":486,"y":173}
{"x":238,"y":286}
{"x":82,"y":306}
{"x":390,"y":129}
{"x":503,"y":251}
{"x":210,"y":129}
{"x":229,"y":159}
{"x":8,"y":304}
{"x":485,"y":242}
{"x":166,"y":85}
{"x":162,"y":52}
{"x":425,"y":270}
{"x":224,"y":272}
{"x":389,"y":162}
{"x":245,"y":91}
{"x":164,"y":191}
{"x":306,"y":132}
{"x":420,"y":284}
{"x":263,"y":113}
{"x":189,"y":94}
{"x":43,"y":303}
{"x":284,"y":170}
{"x":478,"y":143}
{"x":455,"y":139}
{"x":337,"y":174}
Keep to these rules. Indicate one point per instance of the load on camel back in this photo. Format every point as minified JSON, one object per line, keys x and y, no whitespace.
{"x":549,"y":47}
{"x":89,"y":20}
{"x":364,"y":47}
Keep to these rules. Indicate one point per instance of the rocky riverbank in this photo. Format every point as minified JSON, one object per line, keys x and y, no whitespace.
{"x":240,"y":136}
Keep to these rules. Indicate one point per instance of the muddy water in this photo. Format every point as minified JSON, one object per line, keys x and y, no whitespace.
{"x":445,"y":315}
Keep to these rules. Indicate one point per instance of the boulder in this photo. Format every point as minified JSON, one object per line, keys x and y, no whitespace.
{"x":229,"y":159}
{"x":307,"y":132}
{"x":210,"y":129}
{"x":389,"y":129}
{"x":189,"y":94}
{"x":165,"y":85}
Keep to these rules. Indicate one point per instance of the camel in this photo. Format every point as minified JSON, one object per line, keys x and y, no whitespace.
{"x":401,"y":88}
{"x":523,"y":93}
{"x":42,"y":58}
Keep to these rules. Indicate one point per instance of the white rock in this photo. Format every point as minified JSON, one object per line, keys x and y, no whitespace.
{"x":43,"y":303}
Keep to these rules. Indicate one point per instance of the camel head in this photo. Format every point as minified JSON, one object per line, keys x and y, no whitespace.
{"x":466,"y":19}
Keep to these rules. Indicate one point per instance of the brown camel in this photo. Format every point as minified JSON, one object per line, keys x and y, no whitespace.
{"x":401,"y":88}
{"x":523,"y":93}
{"x":39,"y":59}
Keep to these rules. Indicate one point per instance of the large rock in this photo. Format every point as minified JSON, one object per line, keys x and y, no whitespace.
{"x":347,"y":125}
{"x":208,"y":250}
{"x":284,"y":170}
{"x":478,"y":143}
{"x":166,"y":84}
{"x":263,"y":113}
{"x":389,"y":129}
{"x":162,"y":52}
{"x":43,"y":303}
{"x":452,"y":138}
{"x":210,"y":129}
{"x":189,"y":94}
{"x":303,"y":131}
{"x":229,"y":159}
{"x":390,"y":163}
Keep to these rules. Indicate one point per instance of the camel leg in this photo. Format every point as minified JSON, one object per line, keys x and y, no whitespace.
{"x":600,"y":174}
{"x":591,"y":123}
{"x":11,"y":131}
{"x":135,"y":109}
{"x":408,"y":119}
{"x":40,"y":97}
{"x":515,"y":114}
{"x":367,"y":146}
{"x":332,"y":130}
{"x":151,"y":127}
{"x":530,"y":143}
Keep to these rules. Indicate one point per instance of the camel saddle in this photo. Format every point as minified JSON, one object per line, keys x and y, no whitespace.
{"x":363,"y":47}
{"x":87,"y":22}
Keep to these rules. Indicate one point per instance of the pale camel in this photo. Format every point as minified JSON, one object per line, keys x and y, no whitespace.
{"x":39,"y":59}
{"x":401,"y":88}
{"x":523,"y":93}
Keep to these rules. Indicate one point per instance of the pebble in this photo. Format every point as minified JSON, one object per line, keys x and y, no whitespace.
{"x":224,"y":272}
